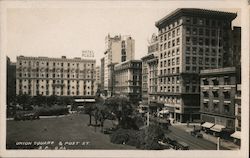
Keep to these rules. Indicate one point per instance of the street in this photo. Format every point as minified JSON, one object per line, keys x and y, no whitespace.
{"x":193,"y":142}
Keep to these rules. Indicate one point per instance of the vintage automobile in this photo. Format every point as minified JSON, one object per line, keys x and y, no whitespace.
{"x":182,"y":146}
{"x":196,"y":134}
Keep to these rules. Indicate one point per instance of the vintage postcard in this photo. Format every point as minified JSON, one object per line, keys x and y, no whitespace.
{"x":124,"y":78}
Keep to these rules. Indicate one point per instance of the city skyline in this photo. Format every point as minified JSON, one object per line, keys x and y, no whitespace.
{"x":56,"y":32}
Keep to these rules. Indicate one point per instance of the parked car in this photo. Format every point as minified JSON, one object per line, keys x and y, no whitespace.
{"x":164,"y":144}
{"x":109,"y":130}
{"x":196,"y":134}
{"x":182,"y":146}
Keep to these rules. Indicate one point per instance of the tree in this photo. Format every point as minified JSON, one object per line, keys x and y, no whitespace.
{"x":154,"y":133}
{"x":89,"y":109}
{"x":121,"y":108}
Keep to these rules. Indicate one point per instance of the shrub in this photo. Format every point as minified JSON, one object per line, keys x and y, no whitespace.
{"x":127,"y":136}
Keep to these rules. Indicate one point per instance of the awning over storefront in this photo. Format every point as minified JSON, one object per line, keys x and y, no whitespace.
{"x":236,"y":134}
{"x":207,"y":125}
{"x":217,"y":128}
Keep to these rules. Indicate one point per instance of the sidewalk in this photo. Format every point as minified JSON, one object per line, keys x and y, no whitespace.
{"x":211,"y":138}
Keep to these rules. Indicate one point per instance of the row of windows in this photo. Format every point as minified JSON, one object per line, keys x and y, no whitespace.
{"x":169,"y":89}
{"x":170,"y":26}
{"x":53,"y":87}
{"x":207,"y":22}
{"x":170,"y":44}
{"x":202,"y":32}
{"x":54,"y":75}
{"x":215,"y":107}
{"x":172,"y":62}
{"x":201,"y":60}
{"x":170,"y":35}
{"x":169,"y":71}
{"x":203,"y":41}
{"x":54,"y":64}
{"x":55,"y":70}
{"x":226,"y":94}
{"x":169,"y":53}
{"x":197,"y":68}
{"x":54,"y":81}
{"x":226,"y":81}
{"x":200,"y":51}
{"x":169,"y":80}
{"x":57,"y":93}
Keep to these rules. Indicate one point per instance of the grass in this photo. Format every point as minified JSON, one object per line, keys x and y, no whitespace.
{"x":71,"y":128}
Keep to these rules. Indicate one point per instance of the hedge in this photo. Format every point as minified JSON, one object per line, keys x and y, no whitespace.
{"x":52,"y":111}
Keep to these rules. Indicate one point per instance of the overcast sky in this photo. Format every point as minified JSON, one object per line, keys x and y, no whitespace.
{"x":55,"y":32}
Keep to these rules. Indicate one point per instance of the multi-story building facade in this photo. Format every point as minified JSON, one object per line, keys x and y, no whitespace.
{"x":238,"y":108}
{"x":55,"y":76}
{"x":128,"y":79}
{"x":98,"y":78}
{"x":11,"y":81}
{"x":149,"y":72}
{"x":102,"y":74}
{"x":218,"y":89}
{"x":118,"y":49}
{"x":190,"y":40}
{"x":237,"y":134}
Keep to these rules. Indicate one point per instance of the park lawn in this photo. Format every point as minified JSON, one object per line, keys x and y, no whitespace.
{"x":72,"y":128}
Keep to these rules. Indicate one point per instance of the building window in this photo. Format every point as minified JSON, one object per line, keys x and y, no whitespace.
{"x":194,"y":31}
{"x":178,"y":31}
{"x":215,"y":82}
{"x":201,"y":22}
{"x":188,"y":30}
{"x":187,"y":60}
{"x":226,"y":95}
{"x":215,"y":94}
{"x":205,"y":94}
{"x":226,"y":80}
{"x":178,"y":41}
{"x":213,"y":33}
{"x":216,"y":107}
{"x":177,"y":51}
{"x":193,"y":89}
{"x":177,"y":61}
{"x":187,"y":89}
{"x":194,"y":21}
{"x":188,"y":41}
{"x":226,"y":108}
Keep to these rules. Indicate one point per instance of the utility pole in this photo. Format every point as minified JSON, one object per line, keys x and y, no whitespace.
{"x":148,"y":117}
{"x":218,"y":143}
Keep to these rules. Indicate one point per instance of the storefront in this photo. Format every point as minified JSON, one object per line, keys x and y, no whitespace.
{"x":237,"y":137}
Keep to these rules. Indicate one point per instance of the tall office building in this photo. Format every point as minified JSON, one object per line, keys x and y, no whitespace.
{"x":98,"y":77}
{"x":118,"y":49}
{"x":149,"y":72}
{"x":102,"y":74}
{"x":55,"y":76}
{"x":190,"y":40}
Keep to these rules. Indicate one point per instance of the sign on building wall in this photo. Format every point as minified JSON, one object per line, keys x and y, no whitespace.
{"x":88,"y":54}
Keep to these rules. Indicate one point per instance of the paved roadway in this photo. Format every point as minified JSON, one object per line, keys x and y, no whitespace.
{"x":193,"y":142}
